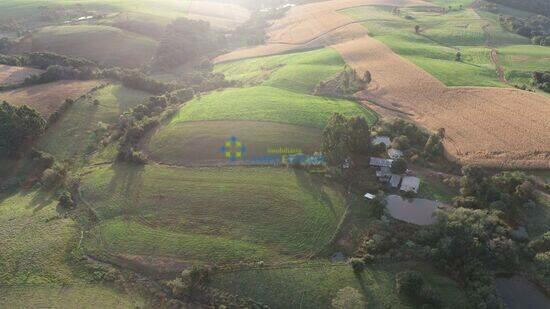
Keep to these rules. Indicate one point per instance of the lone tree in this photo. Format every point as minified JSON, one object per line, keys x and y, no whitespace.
{"x":417,"y":29}
{"x":367,"y":77}
{"x":399,"y":166}
{"x":18,"y":125}
{"x":458,"y":56}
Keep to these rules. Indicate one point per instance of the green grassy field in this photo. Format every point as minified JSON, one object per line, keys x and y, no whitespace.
{"x":435,"y":47}
{"x":262,"y":103}
{"x":73,"y":136}
{"x":520,"y":61}
{"x":298,"y":72}
{"x":198,"y":142}
{"x":211,"y":214}
{"x":315,"y":284}
{"x":35,"y":270}
{"x":103,"y":44}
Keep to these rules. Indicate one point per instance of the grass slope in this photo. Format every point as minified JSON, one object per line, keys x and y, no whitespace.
{"x":520,"y":61}
{"x":198,"y":142}
{"x":298,"y":72}
{"x":263,"y":103}
{"x":34,"y":260}
{"x":315,"y":284}
{"x":103,"y":44}
{"x":241,"y":212}
{"x":73,"y":135}
{"x":434,"y":49}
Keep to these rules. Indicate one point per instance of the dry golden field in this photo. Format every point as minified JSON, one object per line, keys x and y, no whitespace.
{"x":10,"y":75}
{"x":47,"y":98}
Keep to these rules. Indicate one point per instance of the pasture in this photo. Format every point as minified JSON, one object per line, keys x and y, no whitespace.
{"x":315,"y":284}
{"x":198,"y":142}
{"x":217,"y":215}
{"x":37,"y":269}
{"x":74,"y":135}
{"x":263,"y":103}
{"x":104,"y":44}
{"x":47,"y":98}
{"x":298,"y":72}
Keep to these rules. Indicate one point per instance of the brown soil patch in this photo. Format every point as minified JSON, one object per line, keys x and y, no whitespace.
{"x":220,"y":15}
{"x":488,"y":126}
{"x":47,"y":98}
{"x":10,"y":75}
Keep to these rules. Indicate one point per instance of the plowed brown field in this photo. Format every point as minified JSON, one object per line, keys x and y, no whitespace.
{"x":487,"y":126}
{"x":47,"y":98}
{"x":10,"y":75}
{"x":219,"y":15}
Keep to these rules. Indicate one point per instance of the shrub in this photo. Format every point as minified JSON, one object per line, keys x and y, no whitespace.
{"x":357,"y":264}
{"x":66,"y":201}
{"x":409,"y":283}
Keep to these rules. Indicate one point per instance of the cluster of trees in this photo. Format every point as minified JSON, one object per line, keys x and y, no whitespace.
{"x":344,"y":84}
{"x":536,"y":6}
{"x":343,"y":138}
{"x":468,"y":243}
{"x":415,"y":143}
{"x":412,"y":286}
{"x":186,"y":40}
{"x":137,"y":80}
{"x":508,"y":192}
{"x":42,"y":60}
{"x":535,"y":27}
{"x":18,"y":127}
{"x":133,"y":124}
{"x":542,"y":80}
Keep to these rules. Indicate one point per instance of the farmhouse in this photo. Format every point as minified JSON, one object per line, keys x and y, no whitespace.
{"x":379,"y":162}
{"x":382,"y":140}
{"x":395,"y":180}
{"x":395,"y":153}
{"x":410,"y":184}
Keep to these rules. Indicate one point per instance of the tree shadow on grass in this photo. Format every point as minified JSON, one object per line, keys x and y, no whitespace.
{"x":127,"y":182}
{"x":314,"y":188}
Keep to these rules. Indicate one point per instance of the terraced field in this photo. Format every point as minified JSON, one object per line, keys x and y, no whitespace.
{"x":47,"y":98}
{"x":210,"y":214}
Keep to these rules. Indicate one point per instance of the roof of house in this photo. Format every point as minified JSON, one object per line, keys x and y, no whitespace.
{"x":410,"y":183}
{"x":382,"y":140}
{"x":370,"y":196}
{"x":395,"y":153}
{"x":395,"y":180}
{"x":380,"y":162}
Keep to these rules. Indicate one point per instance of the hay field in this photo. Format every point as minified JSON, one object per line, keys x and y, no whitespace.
{"x":47,"y":98}
{"x":488,"y":126}
{"x":10,"y":75}
{"x":210,"y":214}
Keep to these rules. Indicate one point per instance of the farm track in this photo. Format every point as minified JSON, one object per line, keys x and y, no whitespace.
{"x":496,"y":127}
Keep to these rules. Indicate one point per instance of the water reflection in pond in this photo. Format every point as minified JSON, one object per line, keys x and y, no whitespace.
{"x":518,"y":292}
{"x":415,"y":210}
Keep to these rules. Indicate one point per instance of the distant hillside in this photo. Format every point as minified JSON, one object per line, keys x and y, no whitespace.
{"x":541,"y":7}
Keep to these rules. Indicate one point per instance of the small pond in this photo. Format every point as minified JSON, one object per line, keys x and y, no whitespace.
{"x":518,"y":292}
{"x":413,"y":210}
